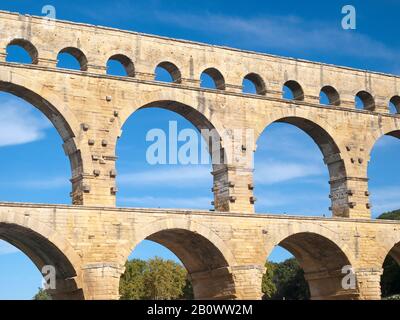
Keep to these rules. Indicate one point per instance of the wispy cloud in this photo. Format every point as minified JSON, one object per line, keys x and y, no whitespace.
{"x":38,"y":184}
{"x":166,"y":202}
{"x":291,"y":33}
{"x":385,"y":199}
{"x":19,"y":125}
{"x":6,"y":248}
{"x":269,"y":172}
{"x":272,"y":171}
{"x":178,"y":176}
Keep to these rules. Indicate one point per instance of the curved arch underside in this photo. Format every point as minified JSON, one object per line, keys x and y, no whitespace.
{"x":43,"y":252}
{"x":43,"y":105}
{"x":58,"y":120}
{"x":199,"y":121}
{"x":332,"y":158}
{"x":206,"y":265}
{"x":322,"y":261}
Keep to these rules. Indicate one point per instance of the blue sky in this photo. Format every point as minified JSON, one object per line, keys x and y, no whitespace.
{"x":289,"y":166}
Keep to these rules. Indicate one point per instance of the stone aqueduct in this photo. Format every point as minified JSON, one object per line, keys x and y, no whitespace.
{"x":224,"y":251}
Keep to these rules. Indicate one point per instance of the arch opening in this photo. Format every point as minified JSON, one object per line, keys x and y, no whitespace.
{"x":329,"y":96}
{"x":120,"y":65}
{"x":72,"y":58}
{"x":382,"y":172}
{"x":211,"y":78}
{"x":364,"y":101}
{"x":296,"y":167}
{"x":168,"y":72}
{"x":394,"y":105}
{"x":22,"y":51}
{"x":28,"y":130}
{"x":206,"y":268}
{"x":292,"y":90}
{"x":254,"y":84}
{"x":179,"y":148}
{"x":44,"y":253}
{"x":312,"y":269}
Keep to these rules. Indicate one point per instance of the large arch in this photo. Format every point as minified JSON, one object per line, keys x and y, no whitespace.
{"x":210,"y":128}
{"x":321,"y":134}
{"x":321,"y":259}
{"x":61,"y":117}
{"x":203,"y":253}
{"x":389,"y":128}
{"x":45,"y":248}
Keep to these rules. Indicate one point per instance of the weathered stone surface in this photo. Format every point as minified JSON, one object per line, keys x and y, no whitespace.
{"x":223,"y":252}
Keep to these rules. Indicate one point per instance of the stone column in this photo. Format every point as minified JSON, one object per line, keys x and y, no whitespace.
{"x":248,"y":281}
{"x":101,"y":281}
{"x":369,"y":282}
{"x":347,"y":100}
{"x":3,"y":54}
{"x":382,"y":104}
{"x":233,"y":189}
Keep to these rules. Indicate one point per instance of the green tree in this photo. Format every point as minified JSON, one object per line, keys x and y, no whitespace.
{"x":285,"y":280}
{"x":42,"y":295}
{"x":290,"y":282}
{"x":155,"y":279}
{"x":131,"y":286}
{"x":391,"y":215}
{"x":164,"y":280}
{"x":268,"y":285}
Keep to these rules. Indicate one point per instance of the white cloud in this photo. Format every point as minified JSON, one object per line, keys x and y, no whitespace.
{"x":167,"y":202}
{"x":178,"y":176}
{"x":38,"y":184}
{"x":42,"y":184}
{"x":385,"y":199}
{"x":19,"y":125}
{"x":272,"y":171}
{"x":290,"y":33}
{"x":6,"y":248}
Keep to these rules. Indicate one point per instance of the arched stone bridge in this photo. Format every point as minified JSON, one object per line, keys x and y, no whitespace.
{"x":224,"y":251}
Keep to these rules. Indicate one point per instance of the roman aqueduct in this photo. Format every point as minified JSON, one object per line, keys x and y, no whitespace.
{"x":223,"y":250}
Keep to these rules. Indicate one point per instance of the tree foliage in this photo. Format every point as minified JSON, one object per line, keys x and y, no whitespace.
{"x":155,"y":279}
{"x":42,"y":295}
{"x":285,"y":280}
{"x":391,"y":215}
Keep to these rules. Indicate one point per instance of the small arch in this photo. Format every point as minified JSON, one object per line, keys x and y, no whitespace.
{"x":292,"y":90}
{"x":29,"y":49}
{"x":168,"y":72}
{"x":255,"y":84}
{"x":329,"y":96}
{"x":394,"y":105}
{"x":120,"y":64}
{"x":215,"y":78}
{"x":79,"y":61}
{"x":364,"y":101}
